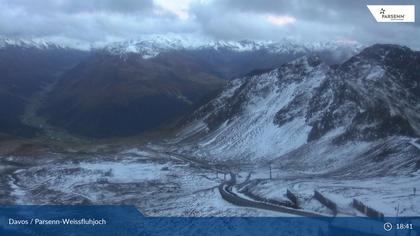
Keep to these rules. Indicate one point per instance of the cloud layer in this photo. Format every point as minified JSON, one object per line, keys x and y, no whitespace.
{"x":96,"y":21}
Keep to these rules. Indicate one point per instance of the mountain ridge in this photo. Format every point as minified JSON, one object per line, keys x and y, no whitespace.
{"x":152,"y":45}
{"x":102,"y":97}
{"x":307,"y":109}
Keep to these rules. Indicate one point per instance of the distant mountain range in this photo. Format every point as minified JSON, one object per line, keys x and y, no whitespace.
{"x":154,"y":45}
{"x":126,"y":88}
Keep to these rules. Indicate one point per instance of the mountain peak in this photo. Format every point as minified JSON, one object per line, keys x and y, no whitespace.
{"x":152,"y":45}
{"x":381,"y":51}
{"x":400,"y":58}
{"x":304,"y":65}
{"x":363,"y":100}
{"x":39,"y":44}
{"x":312,"y":60}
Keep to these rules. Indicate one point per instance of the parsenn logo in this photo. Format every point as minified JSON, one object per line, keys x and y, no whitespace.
{"x":382,"y":12}
{"x":393,"y":13}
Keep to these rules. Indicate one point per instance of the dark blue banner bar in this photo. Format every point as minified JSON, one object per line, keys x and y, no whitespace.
{"x":127,"y":220}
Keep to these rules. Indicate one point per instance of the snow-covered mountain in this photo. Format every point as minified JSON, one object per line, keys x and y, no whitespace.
{"x":313,"y":116}
{"x":28,"y":44}
{"x":152,"y":46}
{"x":158,"y":78}
{"x":45,"y":43}
{"x":4,"y":42}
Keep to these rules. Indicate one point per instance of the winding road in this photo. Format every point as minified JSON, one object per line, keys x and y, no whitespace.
{"x":227,"y":194}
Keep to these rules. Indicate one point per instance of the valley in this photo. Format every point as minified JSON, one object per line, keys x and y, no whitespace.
{"x":156,"y":182}
{"x":160,"y":183}
{"x":32,"y":118}
{"x":172,"y":134}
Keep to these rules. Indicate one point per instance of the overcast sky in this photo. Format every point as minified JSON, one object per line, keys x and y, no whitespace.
{"x":94,"y":21}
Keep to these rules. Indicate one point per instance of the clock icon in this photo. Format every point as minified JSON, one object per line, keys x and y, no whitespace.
{"x":387,"y":226}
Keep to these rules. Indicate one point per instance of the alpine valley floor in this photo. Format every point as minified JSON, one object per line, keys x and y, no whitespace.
{"x":163,"y":184}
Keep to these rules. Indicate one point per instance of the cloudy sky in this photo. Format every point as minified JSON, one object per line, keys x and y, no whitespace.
{"x":94,"y":21}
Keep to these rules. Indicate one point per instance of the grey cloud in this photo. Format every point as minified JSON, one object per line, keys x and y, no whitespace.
{"x":90,"y":21}
{"x":315,"y":20}
{"x":100,"y":20}
{"x":79,"y":6}
{"x":322,"y":10}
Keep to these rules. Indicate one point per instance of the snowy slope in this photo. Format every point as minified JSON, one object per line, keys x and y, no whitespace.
{"x":253,"y":133}
{"x":311,"y":116}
